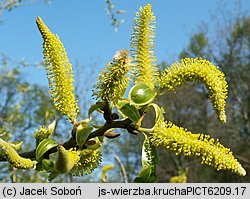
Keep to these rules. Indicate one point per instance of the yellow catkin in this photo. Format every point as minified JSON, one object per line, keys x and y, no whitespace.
{"x":180,"y":141}
{"x":105,"y":169}
{"x":40,"y":134}
{"x":59,"y":73}
{"x":178,"y":179}
{"x":87,"y":163}
{"x":202,"y":71}
{"x":14,"y":159}
{"x":142,"y":44}
{"x":113,"y":80}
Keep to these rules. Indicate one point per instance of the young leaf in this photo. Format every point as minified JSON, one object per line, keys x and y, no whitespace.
{"x":3,"y":134}
{"x":141,"y":94}
{"x":144,"y":175}
{"x":82,"y":134}
{"x":51,"y":128}
{"x":158,"y":112}
{"x":86,"y":152}
{"x":94,"y":107}
{"x":16,"y":145}
{"x":48,"y":165}
{"x":131,"y":112}
{"x":159,"y":117}
{"x":85,"y":121}
{"x":44,"y":146}
{"x":149,"y":162}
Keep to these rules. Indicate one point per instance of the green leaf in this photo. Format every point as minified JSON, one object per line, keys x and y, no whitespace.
{"x":94,"y":107}
{"x":101,"y":138}
{"x":3,"y":134}
{"x":144,"y":156}
{"x":152,"y":178}
{"x":149,"y":162}
{"x":141,"y":94}
{"x":144,"y":175}
{"x":138,"y":180}
{"x":131,"y":112}
{"x":51,"y":128}
{"x":158,"y":112}
{"x":44,"y":146}
{"x":48,"y":165}
{"x":121,"y":103}
{"x":147,"y":174}
{"x":82,"y":134}
{"x":39,"y":166}
{"x":53,"y":175}
{"x":85,"y":121}
{"x":149,"y":154}
{"x":159,"y":117}
{"x":16,"y":145}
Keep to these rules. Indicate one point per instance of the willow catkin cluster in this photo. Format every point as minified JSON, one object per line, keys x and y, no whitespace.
{"x":113,"y":80}
{"x":142,"y":44}
{"x":14,"y":158}
{"x":180,"y":141}
{"x":202,"y":71}
{"x":40,"y":134}
{"x":76,"y":163}
{"x":87,"y":163}
{"x":59,"y":73}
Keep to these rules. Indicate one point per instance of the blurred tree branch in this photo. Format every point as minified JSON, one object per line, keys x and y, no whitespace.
{"x":113,"y":15}
{"x":10,"y":4}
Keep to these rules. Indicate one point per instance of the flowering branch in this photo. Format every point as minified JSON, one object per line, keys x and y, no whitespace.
{"x":82,"y":153}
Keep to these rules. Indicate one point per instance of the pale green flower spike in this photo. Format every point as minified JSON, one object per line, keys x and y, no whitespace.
{"x":143,"y":47}
{"x":59,"y":73}
{"x":113,"y":80}
{"x":14,"y":159}
{"x":66,"y":160}
{"x":180,"y":141}
{"x":203,"y":71}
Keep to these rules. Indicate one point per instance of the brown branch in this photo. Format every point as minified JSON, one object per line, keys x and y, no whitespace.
{"x":124,"y":124}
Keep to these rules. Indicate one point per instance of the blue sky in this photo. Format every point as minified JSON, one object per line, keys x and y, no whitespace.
{"x":85,"y":30}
